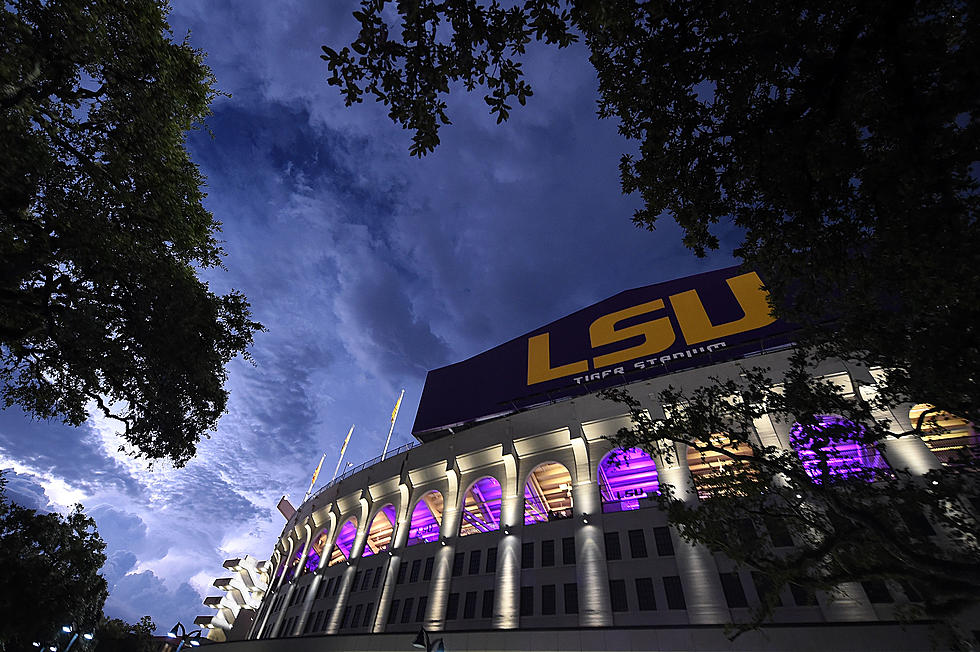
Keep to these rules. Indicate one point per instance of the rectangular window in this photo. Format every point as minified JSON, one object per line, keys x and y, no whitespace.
{"x":646,"y":600}
{"x":357,"y":615}
{"x":491,"y":560}
{"x":317,"y":621}
{"x":416,"y":569}
{"x":803,"y":596}
{"x":469,"y":605}
{"x":731,"y":584}
{"x":367,"y":578}
{"x":402,"y":571}
{"x":427,"y":571}
{"x":665,"y":547}
{"x":548,"y":553}
{"x":452,"y":606}
{"x":377,"y":579}
{"x":548,"y":600}
{"x":458,"y":564}
{"x":336,"y":586}
{"x":368,"y":613}
{"x":571,"y":598}
{"x":357,"y":581}
{"x":319,"y":590}
{"x":675,"y":592}
{"x":393,"y":614}
{"x":326,"y":591}
{"x":638,"y":544}
{"x":778,"y":532}
{"x":568,"y":550}
{"x":407,"y":610}
{"x":346,"y":619}
{"x":527,"y":601}
{"x":877,"y":592}
{"x":527,"y":555}
{"x":420,"y":612}
{"x":617,"y":595}
{"x":326,"y":618}
{"x":613,"y":551}
{"x":475,"y":558}
{"x":487,"y":607}
{"x":764,"y":587}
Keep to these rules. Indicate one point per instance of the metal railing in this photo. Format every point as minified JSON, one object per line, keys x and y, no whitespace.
{"x":371,"y":462}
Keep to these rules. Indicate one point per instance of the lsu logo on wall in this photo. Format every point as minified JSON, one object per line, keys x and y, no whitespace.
{"x":657,"y":333}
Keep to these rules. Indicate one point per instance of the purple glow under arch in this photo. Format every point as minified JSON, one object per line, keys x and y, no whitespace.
{"x":382,"y":528}
{"x":481,"y":507}
{"x":426,"y":519}
{"x":846,"y":456}
{"x":626,"y":476}
{"x":345,"y":541}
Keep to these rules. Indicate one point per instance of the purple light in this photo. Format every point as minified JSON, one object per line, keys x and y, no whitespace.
{"x":426,"y":518}
{"x":840,"y":440}
{"x":548,"y":494}
{"x":383,"y":523}
{"x":312,"y":561}
{"x":625,"y":477}
{"x":481,"y":507}
{"x":345,"y":541}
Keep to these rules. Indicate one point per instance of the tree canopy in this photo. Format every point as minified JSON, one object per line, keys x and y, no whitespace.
{"x":842,"y":140}
{"x":102,"y":228}
{"x":49,"y":573}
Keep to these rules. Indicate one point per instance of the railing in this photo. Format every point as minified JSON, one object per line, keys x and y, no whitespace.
{"x":354,"y":469}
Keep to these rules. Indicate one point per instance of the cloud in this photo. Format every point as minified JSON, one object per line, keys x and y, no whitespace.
{"x":24,"y":490}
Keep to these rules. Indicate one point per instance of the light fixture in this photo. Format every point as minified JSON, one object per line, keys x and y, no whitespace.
{"x":173,"y":631}
{"x":36,"y":644}
{"x":195,"y":643}
{"x":66,"y":629}
{"x":421,"y":641}
{"x":88,"y":636}
{"x":585,"y":518}
{"x":53,"y":648}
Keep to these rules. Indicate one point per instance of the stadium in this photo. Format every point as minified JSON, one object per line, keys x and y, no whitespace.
{"x":513,"y":524}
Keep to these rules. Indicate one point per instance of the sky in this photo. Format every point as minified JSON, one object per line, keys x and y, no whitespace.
{"x":367,"y":267}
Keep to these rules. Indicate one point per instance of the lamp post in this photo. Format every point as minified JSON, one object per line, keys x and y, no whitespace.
{"x":178,"y":631}
{"x":422,"y":642}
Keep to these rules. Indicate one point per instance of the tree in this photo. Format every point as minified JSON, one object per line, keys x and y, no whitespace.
{"x":102,"y":227}
{"x":842,"y":140}
{"x":114,"y":634}
{"x":49,"y":565}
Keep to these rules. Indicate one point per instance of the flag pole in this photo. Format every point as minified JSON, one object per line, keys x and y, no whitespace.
{"x":342,"y":450}
{"x":394,"y":413}
{"x":313,"y":481}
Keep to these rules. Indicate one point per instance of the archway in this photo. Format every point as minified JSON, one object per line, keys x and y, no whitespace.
{"x":831,"y":449}
{"x":345,"y":541}
{"x":548,"y":494}
{"x":382,"y":528}
{"x":481,"y":507}
{"x":426,"y":519}
{"x":952,"y":439}
{"x":626,"y":476}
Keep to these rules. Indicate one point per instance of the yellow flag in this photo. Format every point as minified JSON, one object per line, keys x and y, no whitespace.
{"x":394,"y":413}
{"x":317,"y":472}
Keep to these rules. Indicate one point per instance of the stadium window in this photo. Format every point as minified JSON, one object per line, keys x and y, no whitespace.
{"x":617,"y":595}
{"x":665,"y":546}
{"x":731,"y":584}
{"x":407,"y":610}
{"x":571,"y":598}
{"x":469,"y":605}
{"x":357,"y":581}
{"x":778,"y":532}
{"x":645,"y":599}
{"x":452,"y":606}
{"x":548,"y":600}
{"x":393,"y":614}
{"x":356,"y":621}
{"x":377,"y":579}
{"x":674,"y":592}
{"x":765,"y":589}
{"x":487,"y":607}
{"x":402,"y":571}
{"x":568,"y":550}
{"x":427,"y":571}
{"x":458,"y":564}
{"x":613,"y":551}
{"x":638,"y":544}
{"x":426,"y":518}
{"x":475,"y":558}
{"x":527,"y":601}
{"x":317,"y":621}
{"x":877,"y":592}
{"x":326,"y":618}
{"x":625,"y":478}
{"x":336,"y":586}
{"x":416,"y":569}
{"x":346,"y":619}
{"x":547,"y":553}
{"x":803,"y":596}
{"x":527,"y":555}
{"x":330,"y":582}
{"x":420,"y":611}
{"x":481,"y":507}
{"x":846,"y":457}
{"x":954,"y":441}
{"x":368,"y":611}
{"x":491,"y":560}
{"x":547,"y":494}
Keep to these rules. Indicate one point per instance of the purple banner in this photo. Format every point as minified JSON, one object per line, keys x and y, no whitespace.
{"x":637,"y":334}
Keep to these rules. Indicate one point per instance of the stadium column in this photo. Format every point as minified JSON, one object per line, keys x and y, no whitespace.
{"x":398,"y":542}
{"x":348,"y":577}
{"x":591,"y":573}
{"x":260,"y":619}
{"x":290,"y":587}
{"x":507,"y":588}
{"x":311,"y":591}
{"x":696,"y":564}
{"x":442,"y":570}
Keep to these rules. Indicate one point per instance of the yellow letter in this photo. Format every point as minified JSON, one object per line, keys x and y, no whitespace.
{"x":694,"y":321}
{"x":657,"y":334}
{"x":539,"y":367}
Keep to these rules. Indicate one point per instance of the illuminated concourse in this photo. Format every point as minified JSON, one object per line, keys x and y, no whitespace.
{"x":525,"y":529}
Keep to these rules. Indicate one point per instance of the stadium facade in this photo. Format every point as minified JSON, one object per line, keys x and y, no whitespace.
{"x":515,"y":524}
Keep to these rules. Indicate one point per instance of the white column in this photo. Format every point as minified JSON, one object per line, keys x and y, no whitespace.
{"x":507,"y":582}
{"x":591,"y":574}
{"x":402,"y":529}
{"x":289,"y":591}
{"x":442,"y":570}
{"x":300,"y":571}
{"x":348,"y":577}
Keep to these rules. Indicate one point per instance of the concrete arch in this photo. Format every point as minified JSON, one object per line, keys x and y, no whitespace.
{"x":480,"y":505}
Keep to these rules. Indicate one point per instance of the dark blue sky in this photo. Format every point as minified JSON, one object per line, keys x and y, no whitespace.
{"x":367,"y":266}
